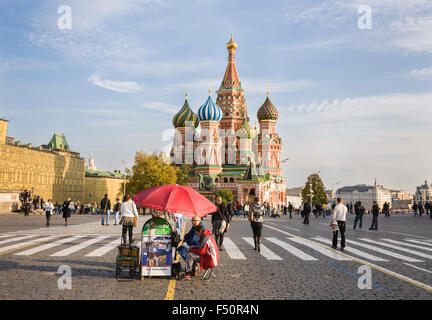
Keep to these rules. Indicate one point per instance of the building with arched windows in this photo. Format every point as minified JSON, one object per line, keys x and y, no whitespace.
{"x":236,"y":156}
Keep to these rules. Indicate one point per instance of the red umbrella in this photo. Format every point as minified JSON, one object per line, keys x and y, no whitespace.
{"x":175,"y":199}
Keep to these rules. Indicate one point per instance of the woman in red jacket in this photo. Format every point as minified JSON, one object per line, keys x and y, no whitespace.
{"x":207,"y":254}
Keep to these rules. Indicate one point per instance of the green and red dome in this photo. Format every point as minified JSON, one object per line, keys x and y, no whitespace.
{"x":185,"y":114}
{"x":267,"y":111}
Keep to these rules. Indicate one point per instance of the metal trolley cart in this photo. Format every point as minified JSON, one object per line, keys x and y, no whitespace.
{"x":157,"y":243}
{"x":127,"y":259}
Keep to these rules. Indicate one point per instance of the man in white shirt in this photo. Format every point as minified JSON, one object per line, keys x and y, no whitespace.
{"x":337,"y":222}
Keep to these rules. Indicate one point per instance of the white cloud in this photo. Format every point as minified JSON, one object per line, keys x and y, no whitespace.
{"x":360,"y":138}
{"x":118,"y":86}
{"x":396,"y":25}
{"x":422,"y":74}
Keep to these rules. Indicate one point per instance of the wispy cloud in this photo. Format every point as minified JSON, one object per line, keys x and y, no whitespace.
{"x":161,"y":107}
{"x":118,"y":86}
{"x":397,"y":25}
{"x":421,"y":74}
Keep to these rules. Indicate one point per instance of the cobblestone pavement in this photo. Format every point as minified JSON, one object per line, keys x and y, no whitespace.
{"x":296,"y":261}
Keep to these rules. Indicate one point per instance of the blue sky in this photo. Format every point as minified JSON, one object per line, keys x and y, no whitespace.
{"x":353,"y":104}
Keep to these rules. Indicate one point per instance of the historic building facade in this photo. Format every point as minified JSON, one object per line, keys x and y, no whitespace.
{"x":51,"y":171}
{"x":228,"y":150}
{"x":423,"y":194}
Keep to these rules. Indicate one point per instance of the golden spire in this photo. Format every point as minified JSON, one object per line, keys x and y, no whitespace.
{"x":209,"y":92}
{"x":231,"y":44}
{"x":186,"y":95}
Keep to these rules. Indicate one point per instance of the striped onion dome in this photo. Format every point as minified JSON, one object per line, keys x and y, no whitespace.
{"x":267,"y":111}
{"x":245,"y":130}
{"x":209,"y":111}
{"x":185,"y":114}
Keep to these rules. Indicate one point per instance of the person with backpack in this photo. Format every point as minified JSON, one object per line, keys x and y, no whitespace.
{"x":256,"y":219}
{"x":375,"y":214}
{"x":359,"y":211}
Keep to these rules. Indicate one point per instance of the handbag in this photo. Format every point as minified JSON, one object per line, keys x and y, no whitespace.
{"x":251,"y":219}
{"x":135,"y":221}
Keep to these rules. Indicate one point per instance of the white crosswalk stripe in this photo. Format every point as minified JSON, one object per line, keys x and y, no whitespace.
{"x":26,"y":243}
{"x":291,"y":249}
{"x":324,"y":251}
{"x":413,"y":252}
{"x":78,"y":247}
{"x":104,"y":249}
{"x":353,"y":250}
{"x":48,"y":246}
{"x":17,"y":239}
{"x":407,"y":244}
{"x":266,"y":252}
{"x":383,"y":251}
{"x":232,"y":250}
{"x":420,"y":242}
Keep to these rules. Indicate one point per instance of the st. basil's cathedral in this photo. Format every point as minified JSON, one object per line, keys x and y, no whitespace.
{"x":234,"y":155}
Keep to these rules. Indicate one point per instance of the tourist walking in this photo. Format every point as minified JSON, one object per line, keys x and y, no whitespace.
{"x":105,"y":209}
{"x":246,"y":208}
{"x":129,"y":213}
{"x":306,"y":211}
{"x":290,"y":209}
{"x":117,"y":208}
{"x":375,"y":214}
{"x":338,"y":223}
{"x":256,"y":219}
{"x":414,"y":207}
{"x":386,"y":209}
{"x":49,"y":209}
{"x":219,"y":221}
{"x":420,"y":209}
{"x":359,"y":211}
{"x":66,"y":210}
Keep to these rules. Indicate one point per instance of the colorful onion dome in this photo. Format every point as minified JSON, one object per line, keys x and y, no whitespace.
{"x":267,"y":111}
{"x":209,"y":111}
{"x":245,"y":130}
{"x":185,"y":114}
{"x":231,"y":44}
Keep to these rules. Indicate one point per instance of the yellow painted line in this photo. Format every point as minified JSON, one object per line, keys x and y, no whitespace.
{"x":373,"y":266}
{"x":171,"y":286}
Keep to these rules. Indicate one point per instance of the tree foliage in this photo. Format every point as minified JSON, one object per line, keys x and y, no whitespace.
{"x":149,"y":170}
{"x":227,"y":195}
{"x":318,"y":190}
{"x":183,"y":174}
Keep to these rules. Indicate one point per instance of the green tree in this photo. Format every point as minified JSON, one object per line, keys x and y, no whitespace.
{"x":226,"y":195}
{"x":149,"y":170}
{"x":318,"y":191}
{"x":183,"y":174}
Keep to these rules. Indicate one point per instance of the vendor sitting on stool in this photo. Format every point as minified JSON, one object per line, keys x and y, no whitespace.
{"x":191,"y":238}
{"x":207,"y":254}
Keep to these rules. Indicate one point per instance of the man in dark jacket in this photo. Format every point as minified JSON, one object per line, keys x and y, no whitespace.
{"x":359,"y":210}
{"x":105,"y":209}
{"x":306,"y":212}
{"x":386,"y":209}
{"x":219,"y":221}
{"x":290,"y":209}
{"x":375,"y":213}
